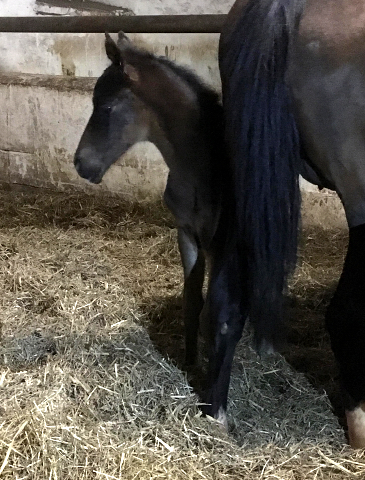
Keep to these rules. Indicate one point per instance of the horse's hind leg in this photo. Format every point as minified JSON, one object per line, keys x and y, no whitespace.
{"x":227,"y":319}
{"x":193,"y":262}
{"x":345,"y":321}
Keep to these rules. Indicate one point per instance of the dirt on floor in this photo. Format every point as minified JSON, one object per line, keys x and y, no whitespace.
{"x":92,"y":383}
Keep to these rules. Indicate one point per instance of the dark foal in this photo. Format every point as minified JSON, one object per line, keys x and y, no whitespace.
{"x":144,"y":97}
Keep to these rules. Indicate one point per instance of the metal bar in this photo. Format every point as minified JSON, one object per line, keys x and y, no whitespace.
{"x":111,"y":23}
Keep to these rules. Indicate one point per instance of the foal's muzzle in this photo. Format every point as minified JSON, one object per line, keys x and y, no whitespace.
{"x":88,"y":169}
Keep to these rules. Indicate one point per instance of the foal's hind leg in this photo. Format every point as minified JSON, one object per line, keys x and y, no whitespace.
{"x":194,"y":266}
{"x":227,"y":319}
{"x":345,"y":321}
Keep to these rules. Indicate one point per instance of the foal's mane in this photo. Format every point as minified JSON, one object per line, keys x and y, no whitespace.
{"x":211,"y":112}
{"x":206,"y":95}
{"x":210,"y":128}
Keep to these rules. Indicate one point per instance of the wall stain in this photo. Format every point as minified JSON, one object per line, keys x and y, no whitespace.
{"x":68,"y":50}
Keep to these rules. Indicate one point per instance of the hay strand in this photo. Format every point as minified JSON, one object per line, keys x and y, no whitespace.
{"x":91,"y":379}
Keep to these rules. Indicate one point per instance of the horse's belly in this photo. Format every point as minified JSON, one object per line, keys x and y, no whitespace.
{"x":329,"y":101}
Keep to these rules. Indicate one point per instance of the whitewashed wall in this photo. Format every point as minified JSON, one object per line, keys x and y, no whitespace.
{"x":17,"y":8}
{"x":138,"y":7}
{"x":83,"y":55}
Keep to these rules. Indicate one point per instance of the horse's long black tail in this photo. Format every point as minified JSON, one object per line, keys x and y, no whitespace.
{"x":264,"y":147}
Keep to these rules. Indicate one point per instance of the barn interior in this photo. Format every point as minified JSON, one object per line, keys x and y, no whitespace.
{"x":92,"y":381}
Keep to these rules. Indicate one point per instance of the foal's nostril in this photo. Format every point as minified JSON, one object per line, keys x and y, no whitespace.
{"x":76,"y":160}
{"x":77,"y":164}
{"x":89,"y":168}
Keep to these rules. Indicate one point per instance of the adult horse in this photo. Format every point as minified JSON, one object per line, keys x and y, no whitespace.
{"x":293,"y":75}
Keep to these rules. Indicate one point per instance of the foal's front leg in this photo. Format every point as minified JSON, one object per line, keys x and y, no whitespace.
{"x":226,"y":316}
{"x":193,"y":262}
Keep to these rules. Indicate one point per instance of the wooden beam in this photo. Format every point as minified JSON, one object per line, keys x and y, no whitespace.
{"x":111,"y":23}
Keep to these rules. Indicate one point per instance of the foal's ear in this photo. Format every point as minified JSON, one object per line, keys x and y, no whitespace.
{"x":131,"y":72}
{"x":112,"y":50}
{"x":125,"y":45}
{"x":123,"y":40}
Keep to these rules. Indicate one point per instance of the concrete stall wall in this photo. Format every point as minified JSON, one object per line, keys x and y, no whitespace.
{"x":132,"y":7}
{"x":83,"y":55}
{"x":40,"y":126}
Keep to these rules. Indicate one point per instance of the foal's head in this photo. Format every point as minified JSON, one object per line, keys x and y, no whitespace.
{"x":118,"y":121}
{"x":144,"y":97}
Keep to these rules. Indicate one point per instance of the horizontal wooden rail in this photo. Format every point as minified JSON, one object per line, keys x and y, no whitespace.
{"x":111,"y":23}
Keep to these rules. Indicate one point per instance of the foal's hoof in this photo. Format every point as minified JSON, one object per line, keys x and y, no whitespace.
{"x":264,"y":346}
{"x":220,"y":419}
{"x":356,"y":426}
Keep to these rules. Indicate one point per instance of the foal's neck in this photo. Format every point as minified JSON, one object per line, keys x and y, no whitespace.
{"x":170,"y":96}
{"x":158,"y":137}
{"x":188,"y":127}
{"x":183,"y":149}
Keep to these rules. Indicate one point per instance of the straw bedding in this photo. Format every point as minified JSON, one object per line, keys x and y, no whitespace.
{"x":91,"y":378}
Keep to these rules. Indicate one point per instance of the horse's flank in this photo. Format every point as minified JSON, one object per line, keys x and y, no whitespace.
{"x":315,"y":68}
{"x":336,"y":26}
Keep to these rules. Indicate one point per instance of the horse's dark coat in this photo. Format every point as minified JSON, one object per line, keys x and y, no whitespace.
{"x":293,"y":74}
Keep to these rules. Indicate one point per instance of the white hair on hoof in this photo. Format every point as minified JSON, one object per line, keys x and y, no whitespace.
{"x":356,"y":426}
{"x":221,"y":418}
